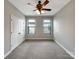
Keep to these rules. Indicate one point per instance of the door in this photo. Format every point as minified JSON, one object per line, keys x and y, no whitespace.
{"x":17,"y":31}
{"x":14,"y":30}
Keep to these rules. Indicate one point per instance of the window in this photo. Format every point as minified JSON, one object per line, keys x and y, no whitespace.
{"x":47,"y":26}
{"x":31,"y":30}
{"x":31,"y":26}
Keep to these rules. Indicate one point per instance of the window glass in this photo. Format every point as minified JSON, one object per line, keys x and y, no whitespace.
{"x":47,"y":26}
{"x":48,"y":21}
{"x":31,"y":30}
{"x":31,"y":20}
{"x":31,"y":26}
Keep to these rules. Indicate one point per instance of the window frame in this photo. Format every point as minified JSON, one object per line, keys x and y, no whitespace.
{"x":49,"y":25}
{"x":31,"y":25}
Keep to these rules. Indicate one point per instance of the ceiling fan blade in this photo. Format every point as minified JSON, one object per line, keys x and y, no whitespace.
{"x":46,"y":9}
{"x":45,"y":3}
{"x":30,"y":4}
{"x":34,"y":10}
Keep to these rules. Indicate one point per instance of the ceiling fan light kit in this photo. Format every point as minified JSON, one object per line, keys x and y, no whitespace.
{"x":42,"y":11}
{"x":37,"y":11}
{"x":40,"y":7}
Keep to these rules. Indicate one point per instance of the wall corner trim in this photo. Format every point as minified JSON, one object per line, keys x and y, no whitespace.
{"x":67,"y":51}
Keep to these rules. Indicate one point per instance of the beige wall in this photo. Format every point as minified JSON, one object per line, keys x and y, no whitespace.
{"x":8,"y":10}
{"x":64,"y":27}
{"x":39,"y":27}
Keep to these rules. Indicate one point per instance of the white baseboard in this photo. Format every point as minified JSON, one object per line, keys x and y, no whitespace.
{"x":67,"y":51}
{"x":12,"y":50}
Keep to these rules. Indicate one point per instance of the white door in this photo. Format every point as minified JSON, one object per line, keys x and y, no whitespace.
{"x":17,"y":31}
{"x":14,"y":30}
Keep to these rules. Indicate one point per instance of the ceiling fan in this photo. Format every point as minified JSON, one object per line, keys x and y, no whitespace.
{"x":40,"y":7}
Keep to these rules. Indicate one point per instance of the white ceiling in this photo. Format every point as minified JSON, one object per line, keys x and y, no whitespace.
{"x":27,"y":10}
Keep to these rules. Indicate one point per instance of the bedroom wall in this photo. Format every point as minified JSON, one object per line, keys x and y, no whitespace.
{"x":8,"y":10}
{"x":64,"y":27}
{"x":39,"y":34}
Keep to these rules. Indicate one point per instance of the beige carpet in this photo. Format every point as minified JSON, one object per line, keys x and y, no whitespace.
{"x":38,"y":50}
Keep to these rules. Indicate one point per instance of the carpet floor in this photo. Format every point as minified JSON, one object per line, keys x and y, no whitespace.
{"x":38,"y":50}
